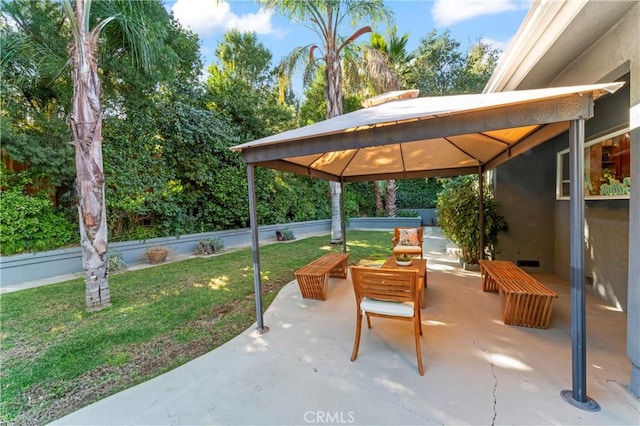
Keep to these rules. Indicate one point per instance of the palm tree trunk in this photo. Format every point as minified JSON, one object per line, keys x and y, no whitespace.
{"x":334,"y":108}
{"x":391,"y":198}
{"x":86,"y":125}
{"x":377,"y":192}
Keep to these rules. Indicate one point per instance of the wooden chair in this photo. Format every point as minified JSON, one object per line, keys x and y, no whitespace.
{"x":387,"y":293}
{"x":408,"y":241}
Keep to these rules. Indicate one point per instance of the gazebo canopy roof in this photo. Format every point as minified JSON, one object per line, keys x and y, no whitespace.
{"x":432,"y":136}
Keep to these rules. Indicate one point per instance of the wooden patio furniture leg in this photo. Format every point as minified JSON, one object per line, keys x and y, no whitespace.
{"x":368,"y":321}
{"x":417,"y":328}
{"x":356,"y":343}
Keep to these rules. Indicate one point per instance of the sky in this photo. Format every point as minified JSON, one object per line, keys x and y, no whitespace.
{"x":493,"y":21}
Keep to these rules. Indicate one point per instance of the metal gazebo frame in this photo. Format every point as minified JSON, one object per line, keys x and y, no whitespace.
{"x":442,"y":136}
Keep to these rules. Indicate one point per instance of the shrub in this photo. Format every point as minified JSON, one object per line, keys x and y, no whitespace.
{"x":458,"y":207}
{"x":115,"y":261}
{"x":30,"y":224}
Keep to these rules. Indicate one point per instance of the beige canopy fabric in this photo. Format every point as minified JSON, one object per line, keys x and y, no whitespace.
{"x":432,"y":136}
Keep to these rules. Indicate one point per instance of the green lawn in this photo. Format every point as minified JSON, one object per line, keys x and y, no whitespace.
{"x":56,"y":357}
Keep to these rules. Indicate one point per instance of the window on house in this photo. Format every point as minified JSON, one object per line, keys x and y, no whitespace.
{"x":607,"y":168}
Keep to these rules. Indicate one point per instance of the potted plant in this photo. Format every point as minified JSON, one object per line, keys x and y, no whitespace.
{"x":285,"y":234}
{"x":156,"y":254}
{"x":458,"y":207}
{"x":403,"y":260}
{"x":210,"y":246}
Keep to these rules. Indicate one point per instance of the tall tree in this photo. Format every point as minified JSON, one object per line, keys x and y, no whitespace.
{"x":326,"y":18}
{"x":85,"y":122}
{"x":441,"y":68}
{"x":33,"y":109}
{"x":243,"y":87}
{"x":386,"y":63}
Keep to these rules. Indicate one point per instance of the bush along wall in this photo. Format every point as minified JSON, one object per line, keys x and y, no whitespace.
{"x":31,"y":224}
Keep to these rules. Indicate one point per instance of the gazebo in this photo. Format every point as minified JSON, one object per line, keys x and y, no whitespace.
{"x":442,"y":136}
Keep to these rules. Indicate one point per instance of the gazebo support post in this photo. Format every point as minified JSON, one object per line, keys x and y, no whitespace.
{"x":343,"y":217}
{"x":481,"y":209}
{"x":578,"y":396}
{"x":253,"y":220}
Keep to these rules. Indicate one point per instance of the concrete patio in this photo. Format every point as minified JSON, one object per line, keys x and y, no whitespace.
{"x":477,"y":370}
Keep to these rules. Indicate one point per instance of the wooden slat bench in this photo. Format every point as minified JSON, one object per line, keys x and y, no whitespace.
{"x":524,"y":300}
{"x":492,"y":268}
{"x":313,"y":278}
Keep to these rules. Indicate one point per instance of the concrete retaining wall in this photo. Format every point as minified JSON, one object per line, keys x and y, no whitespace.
{"x":37,"y":266}
{"x":383,"y":222}
{"x":29,"y":267}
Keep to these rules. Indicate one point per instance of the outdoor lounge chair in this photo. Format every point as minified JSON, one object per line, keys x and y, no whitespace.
{"x":407,"y":241}
{"x":387,"y":293}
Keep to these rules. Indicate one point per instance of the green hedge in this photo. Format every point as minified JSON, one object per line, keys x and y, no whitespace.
{"x":30,"y":223}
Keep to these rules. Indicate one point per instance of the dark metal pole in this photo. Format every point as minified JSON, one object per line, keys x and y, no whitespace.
{"x":481,"y":209}
{"x":578,"y":396}
{"x":253,"y":220}
{"x":343,"y":217}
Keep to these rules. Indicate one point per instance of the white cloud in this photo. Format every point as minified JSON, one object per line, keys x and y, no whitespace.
{"x":497,"y":44}
{"x":447,"y":12}
{"x":259,"y":23}
{"x":207,"y":17}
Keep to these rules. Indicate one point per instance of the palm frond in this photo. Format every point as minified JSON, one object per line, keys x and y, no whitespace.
{"x":298,"y":59}
{"x":380,"y":70}
{"x":142,"y":36}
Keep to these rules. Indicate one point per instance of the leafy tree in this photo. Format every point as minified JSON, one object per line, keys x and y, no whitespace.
{"x":35,"y":96}
{"x":243,"y":87}
{"x":458,"y":208}
{"x":440,"y":68}
{"x":314,"y":106}
{"x":325,"y":18}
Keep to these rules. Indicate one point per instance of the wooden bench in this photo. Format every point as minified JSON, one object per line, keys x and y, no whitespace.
{"x":489,"y":269}
{"x":313,"y":278}
{"x":523,"y":299}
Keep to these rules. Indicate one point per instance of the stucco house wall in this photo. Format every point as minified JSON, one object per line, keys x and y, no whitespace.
{"x":524,"y":189}
{"x":539,"y":228}
{"x":606,"y":221}
{"x":616,"y":53}
{"x":563,"y":43}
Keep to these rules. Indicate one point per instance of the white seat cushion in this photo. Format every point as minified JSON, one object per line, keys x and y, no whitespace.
{"x":384,"y":307}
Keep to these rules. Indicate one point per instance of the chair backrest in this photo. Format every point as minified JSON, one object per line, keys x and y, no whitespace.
{"x":397,"y":231}
{"x":394,"y":285}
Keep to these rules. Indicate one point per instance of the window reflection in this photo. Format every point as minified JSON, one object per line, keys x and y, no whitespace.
{"x":607,"y":168}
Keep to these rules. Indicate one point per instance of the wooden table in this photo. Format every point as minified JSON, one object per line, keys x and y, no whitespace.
{"x":420,"y":266}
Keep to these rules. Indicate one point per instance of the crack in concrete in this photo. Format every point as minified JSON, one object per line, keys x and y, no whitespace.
{"x":493,"y":373}
{"x":495,"y":389}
